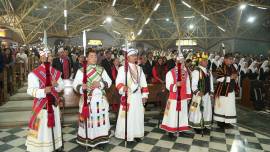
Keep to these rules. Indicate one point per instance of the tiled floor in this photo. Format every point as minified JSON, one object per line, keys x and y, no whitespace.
{"x":237,"y":139}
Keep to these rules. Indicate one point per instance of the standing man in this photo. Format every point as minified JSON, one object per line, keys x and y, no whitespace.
{"x":137,"y":95}
{"x":62,"y":64}
{"x":107,"y":63}
{"x":98,"y":123}
{"x":170,"y":122}
{"x":200,"y":114}
{"x":225,"y":111}
{"x":40,"y":135}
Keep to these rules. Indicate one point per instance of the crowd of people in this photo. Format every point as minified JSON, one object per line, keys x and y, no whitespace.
{"x":193,"y":80}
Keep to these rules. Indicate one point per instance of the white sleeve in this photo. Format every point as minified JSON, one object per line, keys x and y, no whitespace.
{"x":60,"y":85}
{"x":188,"y":85}
{"x":169,"y":82}
{"x":211,"y":82}
{"x":120,"y":80}
{"x":33,"y":87}
{"x":143,"y":84}
{"x":105,"y":78}
{"x":77,"y":83}
{"x":195,"y":79}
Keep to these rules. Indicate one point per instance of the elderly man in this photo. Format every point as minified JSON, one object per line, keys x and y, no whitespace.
{"x":62,"y":63}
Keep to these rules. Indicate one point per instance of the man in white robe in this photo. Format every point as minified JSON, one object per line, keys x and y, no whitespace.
{"x":39,"y":138}
{"x":98,"y":124}
{"x":170,"y":122}
{"x":200,"y":114}
{"x":137,"y":96}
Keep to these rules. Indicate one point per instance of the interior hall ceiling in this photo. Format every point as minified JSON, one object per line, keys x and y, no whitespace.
{"x":207,"y":21}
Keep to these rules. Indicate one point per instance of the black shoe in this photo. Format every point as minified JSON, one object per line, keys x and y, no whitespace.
{"x":228,"y":126}
{"x":100,"y":147}
{"x":198,"y":131}
{"x":221,"y":124}
{"x":171,"y":135}
{"x":138,"y":139}
{"x":206,"y":130}
{"x":184,"y":134}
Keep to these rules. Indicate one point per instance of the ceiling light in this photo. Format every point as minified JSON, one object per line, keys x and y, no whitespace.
{"x":65,"y":13}
{"x":116,"y":32}
{"x":222,"y":29}
{"x":242,"y":6}
{"x":186,"y":4}
{"x":167,"y":19}
{"x":127,"y":18}
{"x":157,"y":6}
{"x":205,"y":17}
{"x":251,"y":19}
{"x":65,"y":27}
{"x":108,"y":19}
{"x":191,"y":26}
{"x":45,"y":7}
{"x":263,"y":8}
{"x":114,"y":1}
{"x":189,"y":16}
{"x":146,"y":22}
{"x":140,"y":32}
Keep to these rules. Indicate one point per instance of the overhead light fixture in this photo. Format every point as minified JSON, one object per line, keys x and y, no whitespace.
{"x":191,"y":26}
{"x":157,"y":6}
{"x":243,"y":6}
{"x":205,"y":17}
{"x":251,"y":19}
{"x":65,"y":13}
{"x":167,"y":19}
{"x":186,"y":4}
{"x":108,"y":19}
{"x":222,"y":29}
{"x":45,"y":7}
{"x":146,"y":22}
{"x":116,"y":32}
{"x":189,"y":16}
{"x":140,"y":32}
{"x":127,"y":18}
{"x":101,"y":25}
{"x":263,"y":8}
{"x":65,"y":27}
{"x":114,"y":1}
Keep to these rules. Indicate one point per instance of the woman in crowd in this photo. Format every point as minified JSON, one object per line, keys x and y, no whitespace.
{"x":264,"y":71}
{"x":253,"y":71}
{"x":159,"y":71}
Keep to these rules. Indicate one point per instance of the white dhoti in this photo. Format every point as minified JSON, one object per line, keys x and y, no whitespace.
{"x":196,"y":116}
{"x":41,"y":140}
{"x":135,"y":119}
{"x":169,"y":122}
{"x":225,"y":110}
{"x":98,"y":124}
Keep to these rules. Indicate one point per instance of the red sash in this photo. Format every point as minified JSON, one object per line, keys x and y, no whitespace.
{"x":184,"y":95}
{"x":65,"y":68}
{"x":39,"y":103}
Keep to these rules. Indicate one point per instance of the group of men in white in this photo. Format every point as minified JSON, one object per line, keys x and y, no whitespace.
{"x":193,"y":88}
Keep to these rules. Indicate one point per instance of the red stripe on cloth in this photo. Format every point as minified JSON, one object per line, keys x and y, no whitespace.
{"x":144,"y":90}
{"x":91,"y":73}
{"x":169,"y":129}
{"x":119,"y":86}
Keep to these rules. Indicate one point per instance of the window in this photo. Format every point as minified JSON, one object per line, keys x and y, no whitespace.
{"x":95,"y":42}
{"x":186,"y":42}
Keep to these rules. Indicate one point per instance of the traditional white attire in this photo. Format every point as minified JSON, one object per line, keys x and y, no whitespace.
{"x":225,"y":110}
{"x":169,"y":122}
{"x":98,"y":124}
{"x":39,"y":138}
{"x":137,"y":89}
{"x":202,"y":81}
